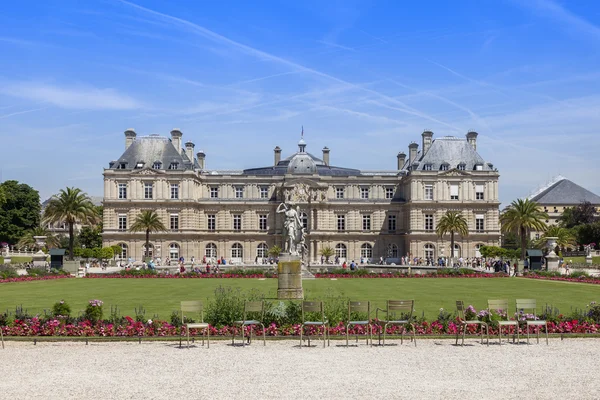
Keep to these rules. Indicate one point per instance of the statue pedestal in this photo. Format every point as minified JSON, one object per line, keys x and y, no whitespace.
{"x":552,"y":262}
{"x":289,"y":271}
{"x":39,"y":259}
{"x":588,"y":259}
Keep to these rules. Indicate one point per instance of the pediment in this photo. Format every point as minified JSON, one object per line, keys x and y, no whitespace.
{"x":454,"y":172}
{"x":147,"y":172}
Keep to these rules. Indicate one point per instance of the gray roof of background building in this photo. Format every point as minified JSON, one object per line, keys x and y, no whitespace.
{"x":565,"y":192}
{"x":150,"y":149}
{"x":449,"y":150}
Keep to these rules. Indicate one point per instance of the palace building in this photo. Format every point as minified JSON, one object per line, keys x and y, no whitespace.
{"x":359,"y":214}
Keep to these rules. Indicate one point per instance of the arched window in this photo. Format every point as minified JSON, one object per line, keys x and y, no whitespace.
{"x":340,"y":250}
{"x":174,"y":251}
{"x":457,"y":250}
{"x":262,"y":251}
{"x":392,"y":251}
{"x":429,"y":251}
{"x":123,"y":255}
{"x":237,"y":251}
{"x":304,"y":219}
{"x":211,"y":250}
{"x":366,"y":251}
{"x":150,"y":251}
{"x":477,"y":249}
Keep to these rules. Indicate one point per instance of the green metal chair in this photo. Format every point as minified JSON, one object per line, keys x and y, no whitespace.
{"x":196,"y":307}
{"x":502,"y":305}
{"x":317,"y":308}
{"x":462,"y":324}
{"x":405,"y":309}
{"x":360,"y":307}
{"x":258,"y":308}
{"x":526,"y":305}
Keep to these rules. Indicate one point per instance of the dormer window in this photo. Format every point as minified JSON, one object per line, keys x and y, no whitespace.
{"x":139,"y":164}
{"x":157,"y":165}
{"x":461,"y":167}
{"x":478,"y":167}
{"x":444,"y":167}
{"x":174,"y":165}
{"x":122,"y":165}
{"x":427,"y":167}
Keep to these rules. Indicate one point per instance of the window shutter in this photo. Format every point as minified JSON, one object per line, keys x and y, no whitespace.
{"x":453,"y":190}
{"x":479,"y":188}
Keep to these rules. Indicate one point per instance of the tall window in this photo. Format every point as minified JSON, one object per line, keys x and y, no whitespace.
{"x":122,"y":222}
{"x":392,"y":251}
{"x":364,"y":192}
{"x":174,"y":222}
{"x":148,"y":186}
{"x":304,"y":219}
{"x":237,"y":222}
{"x":428,"y":192}
{"x":174,"y":251}
{"x":239,"y":192}
{"x":391,"y":223}
{"x":389,"y":192}
{"x":214,"y":192}
{"x":211,"y":222}
{"x":211,"y":250}
{"x":264,"y":192}
{"x":478,"y":249}
{"x":341,"y":222}
{"x":454,"y":191}
{"x":366,"y":222}
{"x":428,"y":222}
{"x":262,"y":222}
{"x":262,"y":251}
{"x":479,"y":222}
{"x":456,"y":251}
{"x":339,"y":192}
{"x":122,"y":190}
{"x":478,"y":192}
{"x":174,"y":190}
{"x":150,"y":250}
{"x":124,"y":249}
{"x":366,"y":251}
{"x":237,"y":251}
{"x":429,"y":251}
{"x":340,"y":250}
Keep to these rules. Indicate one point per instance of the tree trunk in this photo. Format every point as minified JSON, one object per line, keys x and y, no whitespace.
{"x":452,"y":245}
{"x":523,"y":243}
{"x":147,"y":243}
{"x":71,"y":241}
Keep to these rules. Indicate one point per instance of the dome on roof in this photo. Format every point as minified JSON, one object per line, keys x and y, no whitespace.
{"x":302,"y":163}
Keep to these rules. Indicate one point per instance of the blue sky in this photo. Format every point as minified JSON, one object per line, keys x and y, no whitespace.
{"x":364,"y":78}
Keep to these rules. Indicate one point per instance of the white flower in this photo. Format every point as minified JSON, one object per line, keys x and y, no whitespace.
{"x":441,"y":309}
{"x":149,"y":322}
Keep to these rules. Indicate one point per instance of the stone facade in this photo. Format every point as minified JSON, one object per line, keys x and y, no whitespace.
{"x":359,"y":214}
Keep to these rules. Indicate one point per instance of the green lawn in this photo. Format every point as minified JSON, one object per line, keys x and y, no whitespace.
{"x":162,"y":296}
{"x":581,"y":260}
{"x":17,"y":259}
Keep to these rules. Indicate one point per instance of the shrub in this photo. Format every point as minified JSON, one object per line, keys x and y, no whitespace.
{"x":594,"y":312}
{"x":7,"y":272}
{"x":579,"y":274}
{"x":93,"y":311}
{"x":137,"y":272}
{"x":61,"y":309}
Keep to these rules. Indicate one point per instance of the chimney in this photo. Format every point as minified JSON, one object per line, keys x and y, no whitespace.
{"x":189,"y":151}
{"x":176,"y":139}
{"x":412,"y":152}
{"x":277,"y":152}
{"x":472,"y":139}
{"x":129,"y":137}
{"x":201,"y":156}
{"x":401,"y":160}
{"x":326,"y":155}
{"x":427,"y":135}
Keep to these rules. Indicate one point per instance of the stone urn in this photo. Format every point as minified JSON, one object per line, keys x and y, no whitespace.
{"x":551,"y":258}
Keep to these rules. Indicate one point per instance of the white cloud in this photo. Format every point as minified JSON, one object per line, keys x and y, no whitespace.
{"x":80,"y":97}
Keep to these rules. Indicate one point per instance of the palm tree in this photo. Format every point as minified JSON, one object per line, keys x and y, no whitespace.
{"x":71,"y":206}
{"x":566,"y":238}
{"x":147,"y":221}
{"x":28,"y":239}
{"x":451,"y":222}
{"x":522,"y":216}
{"x":275,"y":251}
{"x":327,"y":252}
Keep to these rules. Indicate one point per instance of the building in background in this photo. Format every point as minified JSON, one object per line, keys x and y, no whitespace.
{"x":359,"y":214}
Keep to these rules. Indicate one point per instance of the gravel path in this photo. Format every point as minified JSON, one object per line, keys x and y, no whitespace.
{"x":436,"y":369}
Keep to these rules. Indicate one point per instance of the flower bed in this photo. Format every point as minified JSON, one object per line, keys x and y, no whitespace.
{"x":177,"y":276}
{"x":579,"y":279}
{"x":34,"y":278}
{"x":406,"y":275}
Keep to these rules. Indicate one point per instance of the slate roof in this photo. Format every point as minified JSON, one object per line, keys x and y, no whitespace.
{"x":565,"y":192}
{"x":150,"y":149}
{"x":448,"y":150}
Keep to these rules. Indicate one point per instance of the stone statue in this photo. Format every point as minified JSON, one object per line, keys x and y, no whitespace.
{"x":293,"y":232}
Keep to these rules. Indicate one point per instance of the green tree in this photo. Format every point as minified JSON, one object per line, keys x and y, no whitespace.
{"x":275,"y":251}
{"x":588,"y":233}
{"x":565,"y":236}
{"x":326,"y":252}
{"x":71,"y":206}
{"x":147,"y":221}
{"x":117,"y":250}
{"x":522,"y":216}
{"x":106,"y":253}
{"x":584,"y":213}
{"x":28,"y":239}
{"x":90,"y":236}
{"x":19,"y":212}
{"x":452,"y":222}
{"x":2,"y":196}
